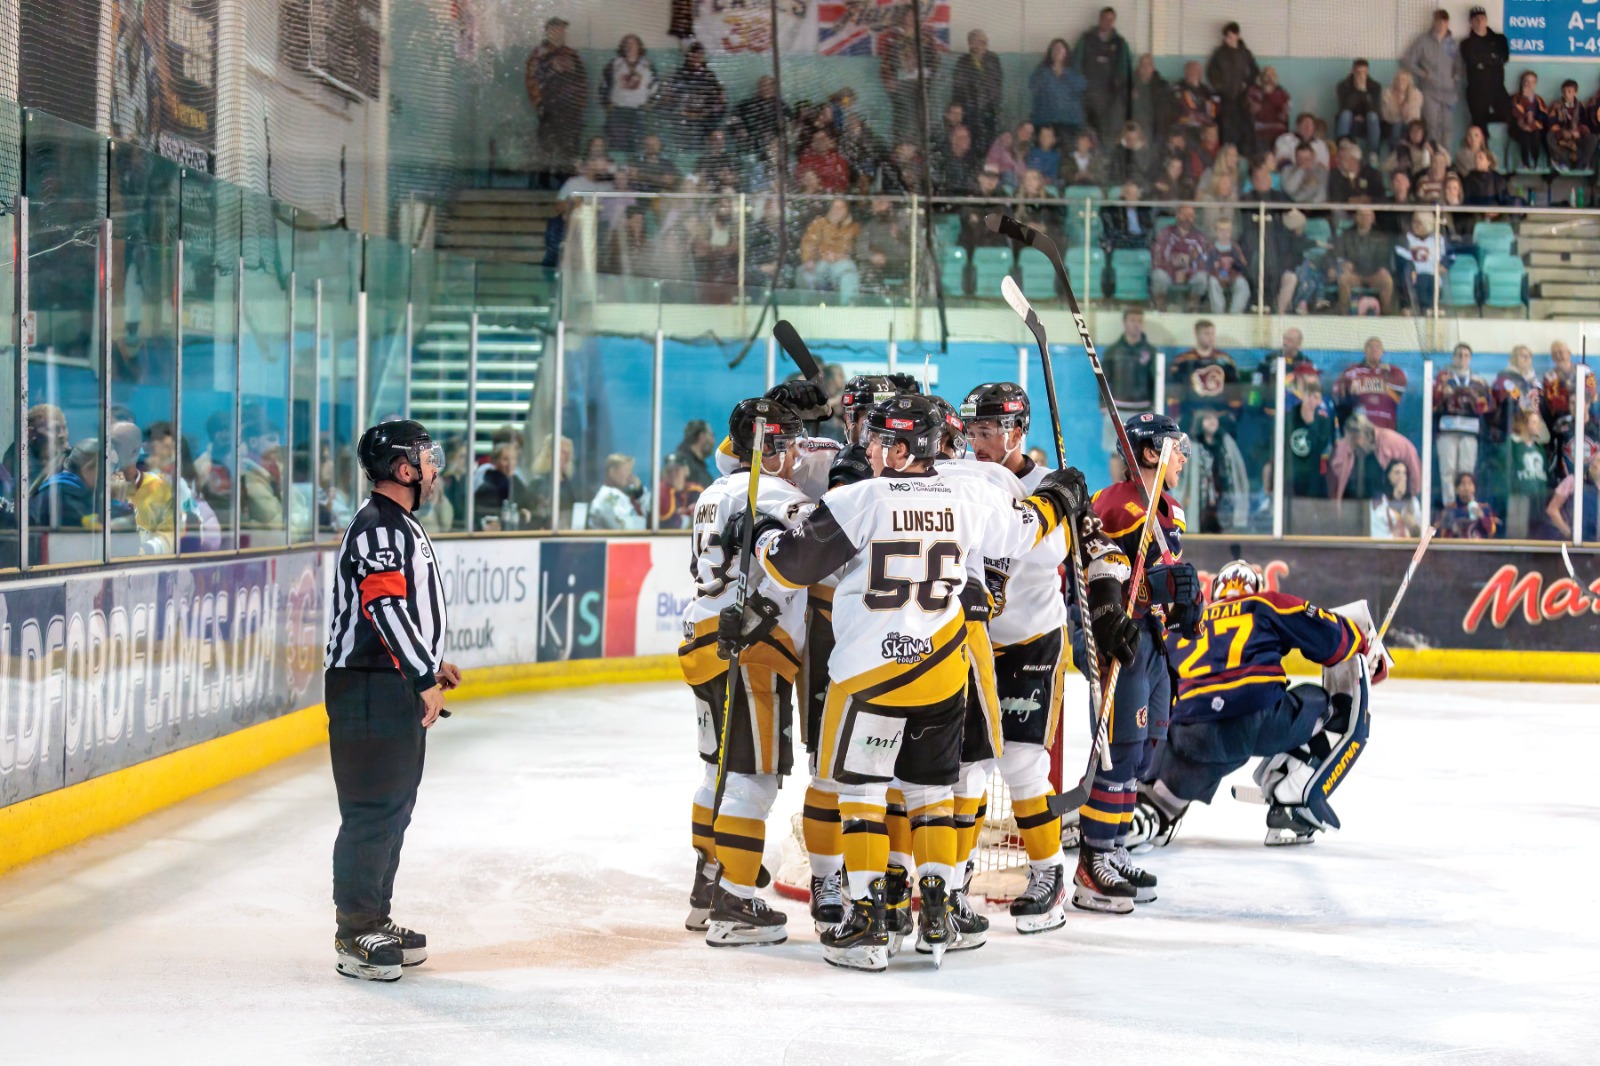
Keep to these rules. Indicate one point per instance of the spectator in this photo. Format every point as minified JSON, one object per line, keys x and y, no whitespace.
{"x":1204,"y":378}
{"x":1528,"y":477}
{"x":627,"y":88}
{"x":1269,"y":108}
{"x":1038,"y":457}
{"x":450,"y":502}
{"x":1056,"y":90}
{"x":494,"y":500}
{"x":1486,"y":186}
{"x":1228,"y":272}
{"x":862,"y":150}
{"x":956,"y":165}
{"x":1401,"y":104}
{"x":1150,"y":99}
{"x":1559,"y":387}
{"x":1215,"y":486}
{"x":1310,"y":436}
{"x":1355,"y":181}
{"x":882,"y":246}
{"x":1173,"y":181}
{"x":1414,"y":154}
{"x":1133,"y":159}
{"x":1306,"y":180}
{"x":1434,"y":61}
{"x":1179,"y":260}
{"x":1372,"y":388}
{"x":905,"y":60}
{"x":1106,"y":61}
{"x":1561,"y":507}
{"x":1194,"y":103}
{"x":1465,"y":517}
{"x":676,"y":499}
{"x":1085,"y":165}
{"x":1571,"y":137}
{"x":1034,"y":208}
{"x":826,"y":253}
{"x":1009,"y":153}
{"x":616,"y":504}
{"x":65,"y":498}
{"x":954,"y":115}
{"x":627,"y":249}
{"x":718,"y":167}
{"x":214,"y":466}
{"x":905,"y":172}
{"x":1471,"y":144}
{"x":1396,"y":511}
{"x":1225,"y":164}
{"x":978,"y":85}
{"x":822,"y":157}
{"x":1290,"y":278}
{"x":1304,"y":132}
{"x":694,"y":451}
{"x":141,"y":496}
{"x":1461,"y":404}
{"x":756,"y":119}
{"x":1422,"y":268}
{"x":261,"y":475}
{"x":714,"y":244}
{"x":1310,"y":282}
{"x":1484,"y":55}
{"x":1127,"y":225}
{"x":1044,"y":156}
{"x":1430,"y":186}
{"x":652,"y":171}
{"x":1363,"y":454}
{"x":558,"y":88}
{"x":322,"y":505}
{"x":47,"y":444}
{"x":1360,"y":107}
{"x":1529,"y":118}
{"x":541,"y":486}
{"x":1362,"y":255}
{"x":1232,"y":72}
{"x":1130,"y":366}
{"x":1515,"y":388}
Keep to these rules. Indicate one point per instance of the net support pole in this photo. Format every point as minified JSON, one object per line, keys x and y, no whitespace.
{"x":1580,"y":436}
{"x":1438,"y":266}
{"x":1426,"y":488}
{"x":914,"y":272}
{"x":24,"y":341}
{"x":1088,"y":249}
{"x":1022,"y":367}
{"x":472,"y":416}
{"x":742,"y":208}
{"x":1261,"y":263}
{"x":411,"y":326}
{"x":177,"y":361}
{"x":657,"y":382}
{"x":555,"y":436}
{"x":363,"y":403}
{"x":1280,"y":432}
{"x":1161,"y":388}
{"x":104,"y":463}
{"x":771,"y":369}
{"x":894,"y":356}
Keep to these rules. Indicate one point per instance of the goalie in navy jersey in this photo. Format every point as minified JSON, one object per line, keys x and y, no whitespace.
{"x":1234,"y":702}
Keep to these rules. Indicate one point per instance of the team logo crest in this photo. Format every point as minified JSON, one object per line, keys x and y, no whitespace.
{"x":1143,"y":717}
{"x":905,"y":649}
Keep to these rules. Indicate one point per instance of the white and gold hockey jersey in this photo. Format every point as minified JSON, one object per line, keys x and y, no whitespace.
{"x":715,"y":567}
{"x":810,"y":469}
{"x":902,"y":544}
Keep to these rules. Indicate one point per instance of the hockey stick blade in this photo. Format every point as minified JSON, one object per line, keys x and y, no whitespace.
{"x":1566,"y":560}
{"x":789,"y":340}
{"x":1250,"y":794}
{"x":1063,"y":803}
{"x":1019,"y":303}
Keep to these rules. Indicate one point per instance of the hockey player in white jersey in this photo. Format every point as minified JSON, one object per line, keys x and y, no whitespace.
{"x":729,"y":840}
{"x":898,"y":672}
{"x":814,"y":455}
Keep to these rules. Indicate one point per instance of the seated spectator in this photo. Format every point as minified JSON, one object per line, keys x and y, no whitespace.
{"x":1529,"y":118}
{"x":494,"y":499}
{"x":1056,"y":89}
{"x":1009,"y":154}
{"x":862,"y":150}
{"x":884,"y":251}
{"x":616,"y":504}
{"x":718,"y":167}
{"x":1305,"y":180}
{"x":1178,"y":260}
{"x":676,"y":499}
{"x":544,"y":473}
{"x":903,"y":174}
{"x":1372,"y":388}
{"x":1220,"y":199}
{"x":1204,"y":378}
{"x":449,"y":511}
{"x":1173,"y":181}
{"x":1043,"y":155}
{"x":1200,"y":152}
{"x":1485,"y":186}
{"x":652,"y":171}
{"x":1466,"y":517}
{"x":626,"y":250}
{"x":1422,"y":270}
{"x":1473,"y":143}
{"x":1363,"y":454}
{"x":1084,"y":165}
{"x":695,"y":452}
{"x":47,"y":445}
{"x":1227,"y":272}
{"x":1415,"y":153}
{"x":1194,"y":103}
{"x":1127,"y":225}
{"x":694,"y":98}
{"x":1360,"y":108}
{"x":1215,"y":486}
{"x":823,"y":158}
{"x":1354,"y":181}
{"x":827,"y":251}
{"x":1397,"y":511}
{"x":974,"y":232}
{"x":1150,"y":99}
{"x":955,"y":165}
{"x":1571,"y":136}
{"x":1310,"y":437}
{"x":1361,"y":257}
{"x":755,"y":120}
{"x":954,"y":115}
{"x":261,"y":475}
{"x":1462,"y":402}
{"x":1269,"y":108}
{"x":1304,"y":132}
{"x":1300,"y":279}
{"x":1034,"y":207}
{"x":1134,"y":158}
{"x":1225,"y":164}
{"x":1400,"y":104}
{"x":1430,"y":184}
{"x":714,"y":243}
{"x":1400,"y":193}
{"x":1527,"y":475}
{"x":66,"y":498}
{"x":141,"y":498}
{"x":1560,"y":508}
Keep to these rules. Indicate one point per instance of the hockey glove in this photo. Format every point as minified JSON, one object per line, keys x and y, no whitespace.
{"x":1173,"y":584}
{"x":906,"y":383}
{"x":1115,"y":634}
{"x":1065,"y":491}
{"x":736,"y":631}
{"x":976,"y":603}
{"x":850,"y":467}
{"x":807,"y":398}
{"x":734,"y":532}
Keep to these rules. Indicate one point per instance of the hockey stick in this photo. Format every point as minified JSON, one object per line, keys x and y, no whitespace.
{"x":788,"y":339}
{"x":1566,"y":561}
{"x":741,"y":595}
{"x":1405,"y":582}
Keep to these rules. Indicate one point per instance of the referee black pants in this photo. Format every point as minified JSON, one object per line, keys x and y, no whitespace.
{"x":377,"y":742}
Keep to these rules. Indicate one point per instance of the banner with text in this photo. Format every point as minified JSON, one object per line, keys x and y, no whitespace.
{"x":826,"y":27}
{"x":1552,"y":28}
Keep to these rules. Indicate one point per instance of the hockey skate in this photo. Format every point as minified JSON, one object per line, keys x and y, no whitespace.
{"x":972,"y":928}
{"x":827,"y":900}
{"x":860,"y":942}
{"x":413,"y":945}
{"x":1097,"y":886}
{"x":1143,"y":881}
{"x":1041,"y":907}
{"x":936,"y":934}
{"x":737,"y":921}
{"x":1288,"y":825}
{"x":897,"y":915}
{"x":374,"y":956}
{"x":705,"y":881}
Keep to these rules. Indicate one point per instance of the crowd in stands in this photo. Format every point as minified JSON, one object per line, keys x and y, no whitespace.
{"x":1226,"y":135}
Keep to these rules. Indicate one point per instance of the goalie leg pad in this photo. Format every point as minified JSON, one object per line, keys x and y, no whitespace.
{"x":1307,"y":775}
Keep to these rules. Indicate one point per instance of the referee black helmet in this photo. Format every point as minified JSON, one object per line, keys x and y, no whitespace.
{"x":399,"y":438}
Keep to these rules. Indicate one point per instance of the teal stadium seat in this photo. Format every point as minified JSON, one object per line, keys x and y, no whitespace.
{"x":1132,"y":269}
{"x":1494,"y":238}
{"x":989,"y":266}
{"x":1092,"y":287}
{"x":1037,"y":275}
{"x":1461,"y":282}
{"x":947,"y":228}
{"x":953,"y":270}
{"x":1504,"y":281}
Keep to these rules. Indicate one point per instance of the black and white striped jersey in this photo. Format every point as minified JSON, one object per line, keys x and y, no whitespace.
{"x":388,"y":600}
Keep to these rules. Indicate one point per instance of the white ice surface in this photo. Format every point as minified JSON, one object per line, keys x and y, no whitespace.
{"x":1453,"y":921}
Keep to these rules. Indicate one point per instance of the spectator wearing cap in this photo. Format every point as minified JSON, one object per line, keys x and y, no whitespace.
{"x":558,"y":87}
{"x":1231,"y":72}
{"x":1434,"y":60}
{"x":1360,"y":107}
{"x":978,"y":85}
{"x":1106,"y":61}
{"x":1485,"y":53}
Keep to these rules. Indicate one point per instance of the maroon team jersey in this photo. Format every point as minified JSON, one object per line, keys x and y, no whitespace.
{"x":1120,"y":508}
{"x":1374,"y":390}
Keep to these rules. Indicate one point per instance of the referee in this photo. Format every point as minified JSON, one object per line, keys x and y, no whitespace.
{"x":384,"y":686}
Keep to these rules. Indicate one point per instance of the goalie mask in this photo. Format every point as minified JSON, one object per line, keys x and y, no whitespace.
{"x":1234,"y":580}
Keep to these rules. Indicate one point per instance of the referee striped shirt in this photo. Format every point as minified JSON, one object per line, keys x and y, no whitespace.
{"x":388,"y":601}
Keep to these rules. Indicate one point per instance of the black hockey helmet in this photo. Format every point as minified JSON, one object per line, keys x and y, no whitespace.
{"x":864,"y":390}
{"x":783,"y":426}
{"x":914,"y":421}
{"x":399,"y":438}
{"x":1004,"y":402}
{"x":1149,"y":429}
{"x":955,"y":430}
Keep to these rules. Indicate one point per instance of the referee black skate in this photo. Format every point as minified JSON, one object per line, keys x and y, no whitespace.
{"x":384,"y":686}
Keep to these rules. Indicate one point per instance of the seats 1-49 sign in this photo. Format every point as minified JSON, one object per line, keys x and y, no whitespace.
{"x":1556,"y":28}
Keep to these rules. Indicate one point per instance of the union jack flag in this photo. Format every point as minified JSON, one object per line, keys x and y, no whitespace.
{"x":857,"y":27}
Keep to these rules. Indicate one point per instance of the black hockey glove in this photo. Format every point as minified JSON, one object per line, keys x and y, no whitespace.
{"x":976,"y":603}
{"x":907,"y":383}
{"x":850,"y":466}
{"x":1065,"y":491}
{"x":736,"y":631}
{"x":1115,"y":634}
{"x":807,"y":398}
{"x":1177,"y":586}
{"x":733,"y":533}
{"x":1185,"y":618}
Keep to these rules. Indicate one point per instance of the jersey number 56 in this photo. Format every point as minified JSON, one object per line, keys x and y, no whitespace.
{"x":932,"y":592}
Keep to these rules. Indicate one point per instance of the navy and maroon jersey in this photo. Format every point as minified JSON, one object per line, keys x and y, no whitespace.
{"x":1235,"y":666}
{"x":1120,"y":509}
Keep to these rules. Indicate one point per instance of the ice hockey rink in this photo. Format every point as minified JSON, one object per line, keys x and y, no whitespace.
{"x":1453,"y":921}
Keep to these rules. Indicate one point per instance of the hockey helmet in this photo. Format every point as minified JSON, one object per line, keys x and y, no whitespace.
{"x":1235,"y":579}
{"x":914,"y":421}
{"x":1003,"y":402}
{"x":399,"y":438}
{"x":783,"y":426}
{"x":955,"y":430}
{"x":1149,"y":430}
